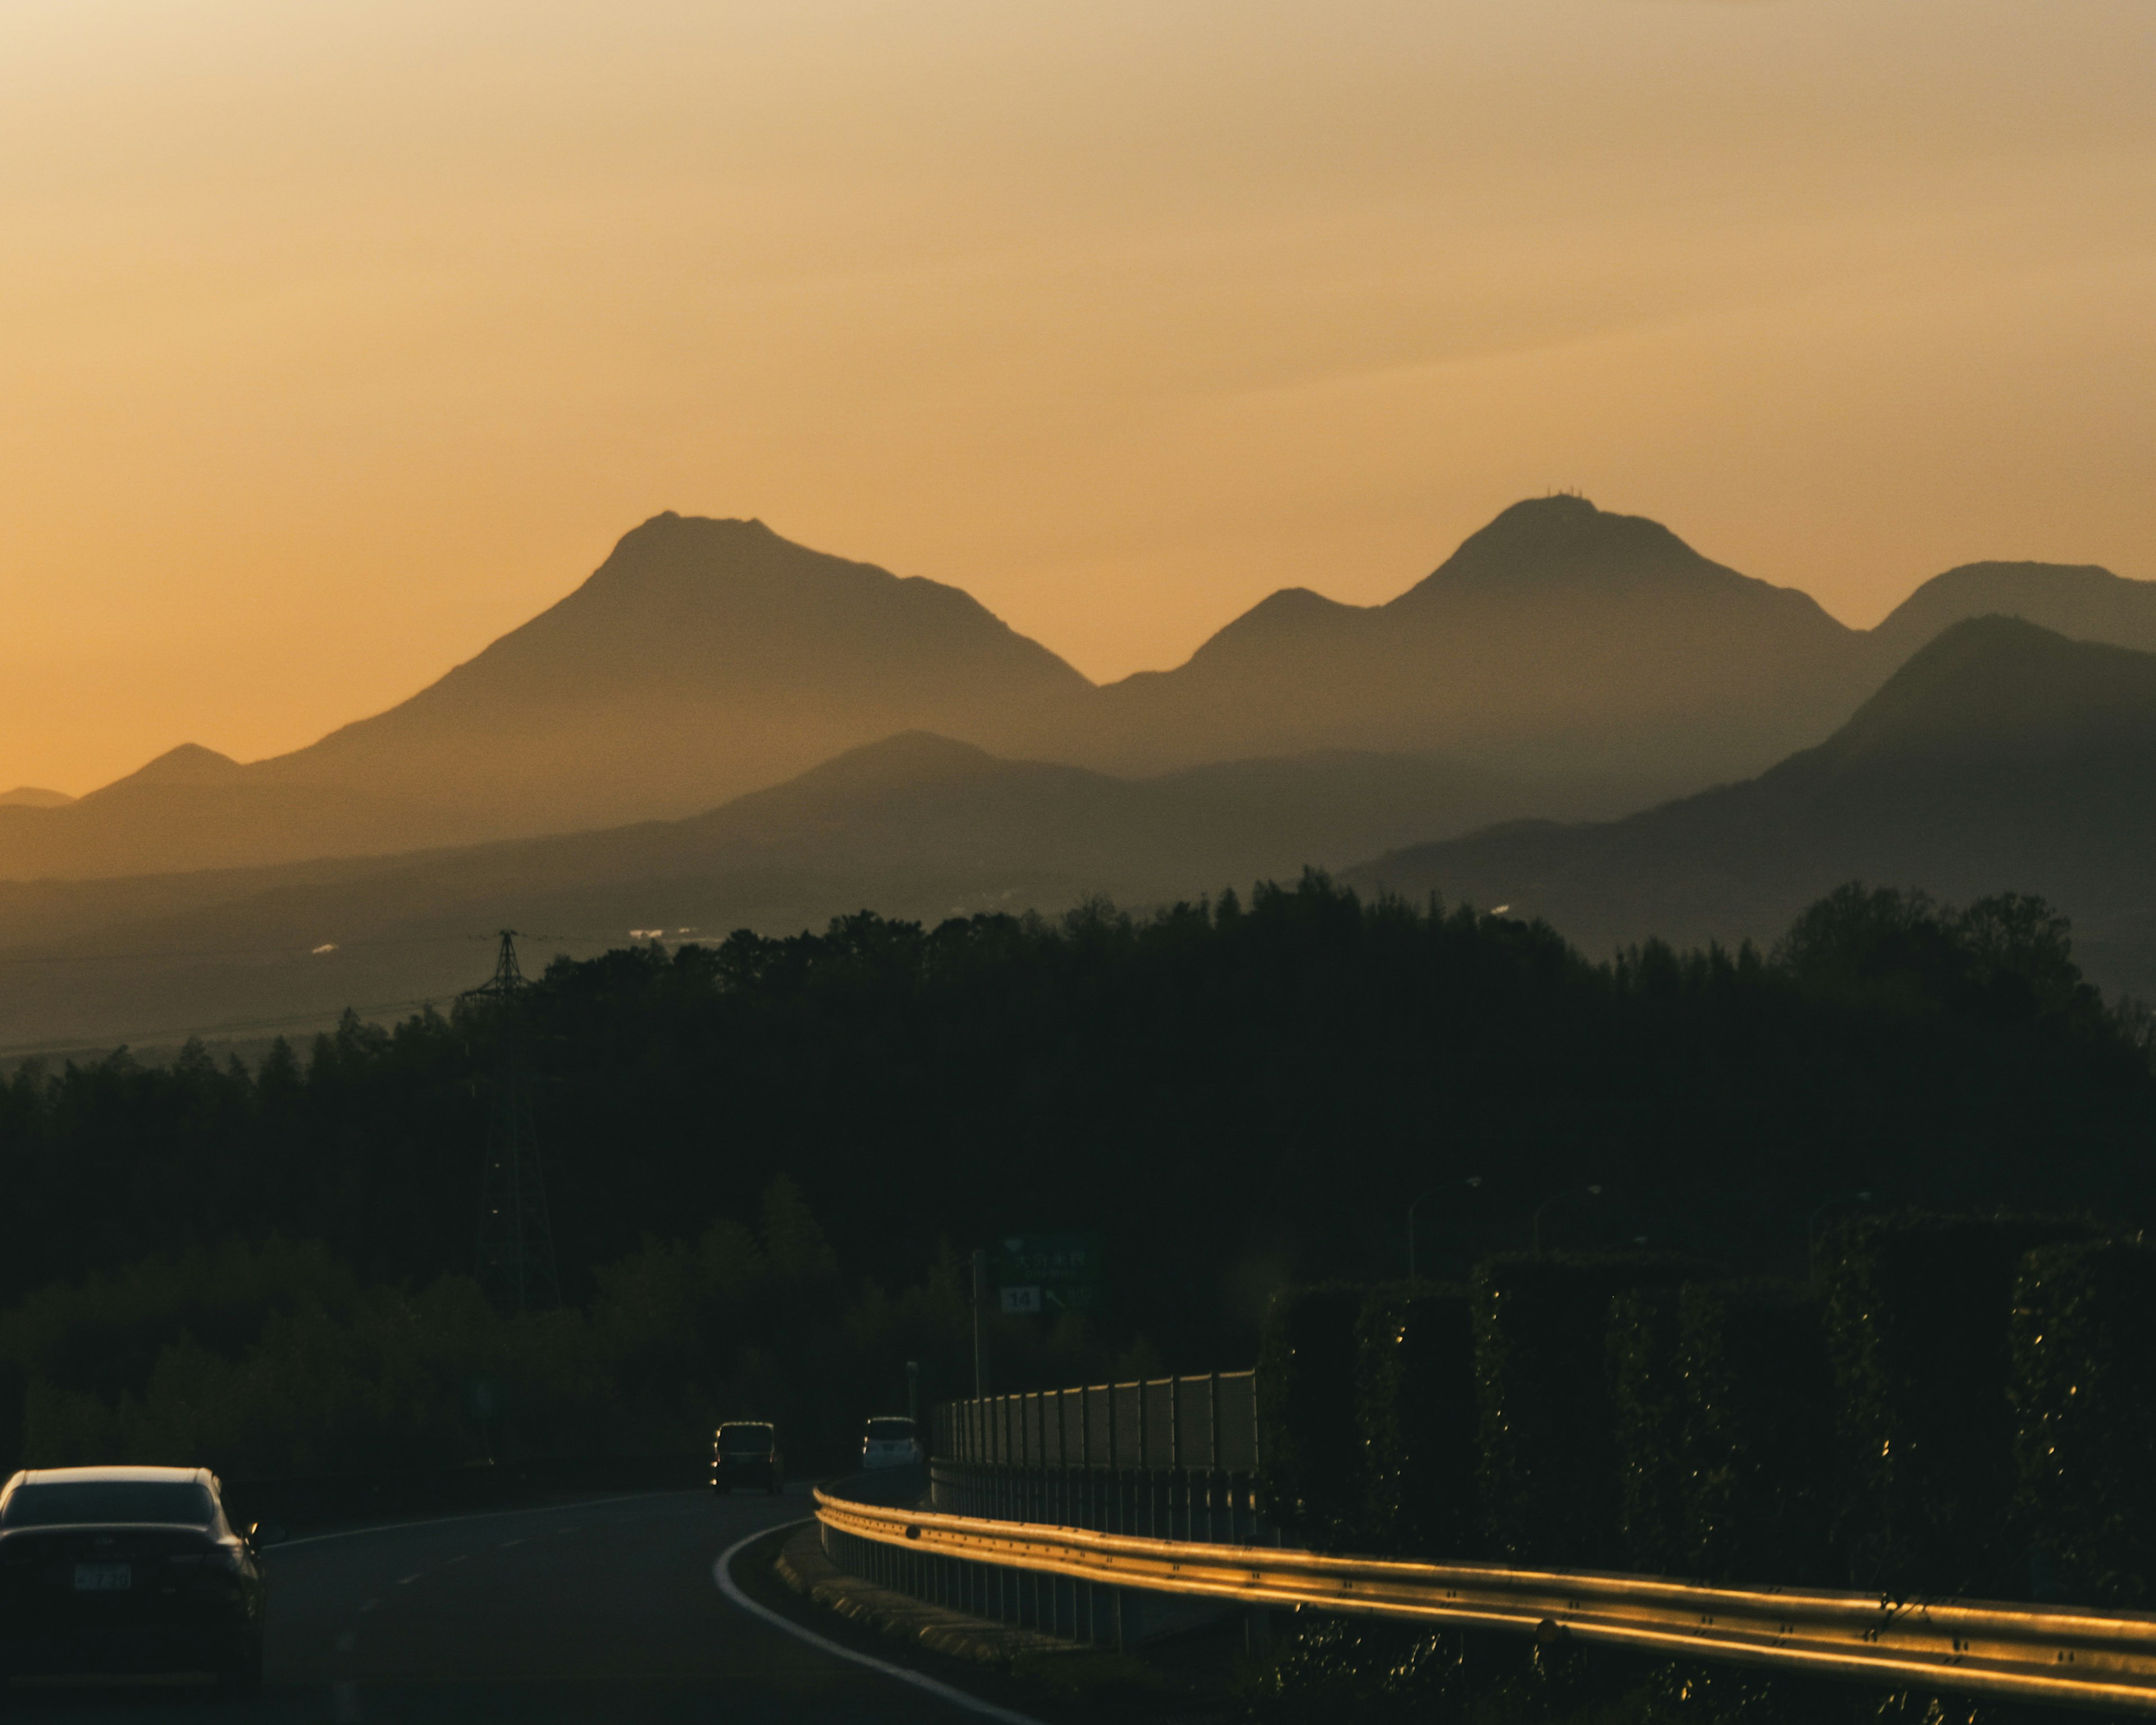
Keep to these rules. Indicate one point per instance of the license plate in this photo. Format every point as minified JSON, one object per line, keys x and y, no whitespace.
{"x":103,"y":1578}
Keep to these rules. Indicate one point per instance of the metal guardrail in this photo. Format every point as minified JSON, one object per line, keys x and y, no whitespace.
{"x":2051,"y":1654}
{"x":1209,"y":1421}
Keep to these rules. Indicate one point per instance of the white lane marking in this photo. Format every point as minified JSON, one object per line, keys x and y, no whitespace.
{"x":371,"y":1605}
{"x":721,"y":1572}
{"x":462,"y":1557}
{"x":506,"y":1543}
{"x":408,"y":1580}
{"x":346,"y":1641}
{"x":483,"y":1515}
{"x":344,"y":1702}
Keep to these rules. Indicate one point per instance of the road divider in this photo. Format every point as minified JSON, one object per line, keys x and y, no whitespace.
{"x":2073,"y":1655}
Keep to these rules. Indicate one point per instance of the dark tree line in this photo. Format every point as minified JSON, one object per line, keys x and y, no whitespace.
{"x":1233,"y":1094}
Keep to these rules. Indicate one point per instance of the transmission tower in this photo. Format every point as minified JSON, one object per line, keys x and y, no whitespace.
{"x":515,"y":1240}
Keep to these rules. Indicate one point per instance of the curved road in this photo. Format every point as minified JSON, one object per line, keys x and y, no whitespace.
{"x":604,"y":1611}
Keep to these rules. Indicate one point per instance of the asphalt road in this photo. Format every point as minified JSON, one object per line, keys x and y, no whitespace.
{"x":596,"y":1612}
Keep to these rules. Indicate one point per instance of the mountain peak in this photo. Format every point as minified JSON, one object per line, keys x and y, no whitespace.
{"x":1989,"y":681}
{"x":1559,"y":539}
{"x":31,"y":795}
{"x":2081,"y":601}
{"x":189,"y":764}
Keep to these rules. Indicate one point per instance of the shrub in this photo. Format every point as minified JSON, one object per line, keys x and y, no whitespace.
{"x":1918,"y":1311}
{"x":1758,"y":1433}
{"x":1310,"y":1473}
{"x":2085,"y":1413}
{"x":1415,"y":1408}
{"x":1647,"y":1407}
{"x":1548,"y":1475}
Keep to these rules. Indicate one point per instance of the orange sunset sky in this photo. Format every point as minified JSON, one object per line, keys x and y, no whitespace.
{"x":338,"y":338}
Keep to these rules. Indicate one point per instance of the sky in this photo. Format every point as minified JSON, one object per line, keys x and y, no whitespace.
{"x":336,"y":339}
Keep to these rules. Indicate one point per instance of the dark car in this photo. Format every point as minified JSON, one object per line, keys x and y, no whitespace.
{"x":744,"y":1452}
{"x":130,"y":1571}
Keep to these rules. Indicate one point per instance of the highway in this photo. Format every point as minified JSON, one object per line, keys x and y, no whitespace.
{"x":604,"y":1611}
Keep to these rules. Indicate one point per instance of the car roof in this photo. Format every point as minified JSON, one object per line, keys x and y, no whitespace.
{"x":86,"y":1475}
{"x":763,"y":1424}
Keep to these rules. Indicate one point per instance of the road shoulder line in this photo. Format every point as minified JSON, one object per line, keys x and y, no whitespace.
{"x":722,"y":1573}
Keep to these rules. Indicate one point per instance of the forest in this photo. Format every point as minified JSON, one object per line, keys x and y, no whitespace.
{"x":768,"y":1159}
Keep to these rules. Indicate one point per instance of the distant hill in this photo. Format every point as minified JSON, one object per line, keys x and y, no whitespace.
{"x":916,"y":825}
{"x":2078,"y":600}
{"x":30,"y":796}
{"x":702,"y":659}
{"x":1591,"y":660}
{"x":1559,"y":639}
{"x":2003,"y":756}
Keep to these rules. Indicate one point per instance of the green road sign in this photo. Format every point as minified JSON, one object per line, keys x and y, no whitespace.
{"x":1047,"y":1273}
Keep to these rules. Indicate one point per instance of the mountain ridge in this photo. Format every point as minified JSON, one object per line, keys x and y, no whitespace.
{"x":2003,"y":756}
{"x":1560,"y":646}
{"x":914,"y":825}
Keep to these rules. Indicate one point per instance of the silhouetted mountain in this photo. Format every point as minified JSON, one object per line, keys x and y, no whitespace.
{"x":30,"y":796}
{"x":2078,"y":600}
{"x":1559,"y":639}
{"x":702,"y":659}
{"x":2002,"y":757}
{"x":1594,"y":657}
{"x":916,"y":825}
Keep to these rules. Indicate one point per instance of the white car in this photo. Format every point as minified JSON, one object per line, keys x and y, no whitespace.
{"x":892,"y":1442}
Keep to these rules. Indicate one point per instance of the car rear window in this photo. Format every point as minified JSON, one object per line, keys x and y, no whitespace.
{"x":62,"y":1502}
{"x":744,"y":1440}
{"x":889,"y":1431}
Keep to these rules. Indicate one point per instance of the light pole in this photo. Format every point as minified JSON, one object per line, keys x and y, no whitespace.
{"x":1812,"y":1228}
{"x":1576,"y":1191}
{"x":1470,"y":1182}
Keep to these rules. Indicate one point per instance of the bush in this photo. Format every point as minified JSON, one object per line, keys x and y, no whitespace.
{"x":1648,"y":1403}
{"x":1548,"y":1475}
{"x":1414,"y":1395}
{"x":1310,"y":1478}
{"x":1368,"y":1669}
{"x":1918,"y":1310}
{"x":2085,"y":1411}
{"x":1758,"y":1433}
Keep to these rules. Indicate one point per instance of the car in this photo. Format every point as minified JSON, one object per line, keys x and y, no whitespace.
{"x":746,"y":1452}
{"x":130,"y":1571}
{"x":890,"y":1441}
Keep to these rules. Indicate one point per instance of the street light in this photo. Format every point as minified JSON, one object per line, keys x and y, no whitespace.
{"x":1576,"y":1191}
{"x":1470,"y":1182}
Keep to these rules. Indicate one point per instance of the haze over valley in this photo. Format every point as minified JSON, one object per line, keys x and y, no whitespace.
{"x":722,"y":729}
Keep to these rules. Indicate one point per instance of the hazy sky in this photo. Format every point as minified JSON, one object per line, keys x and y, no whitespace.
{"x":336,"y":338}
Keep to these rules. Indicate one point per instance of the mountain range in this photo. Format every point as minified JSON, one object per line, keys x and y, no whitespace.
{"x":916,"y":825}
{"x":2001,"y":758}
{"x":1593,"y":660}
{"x":720,"y":729}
